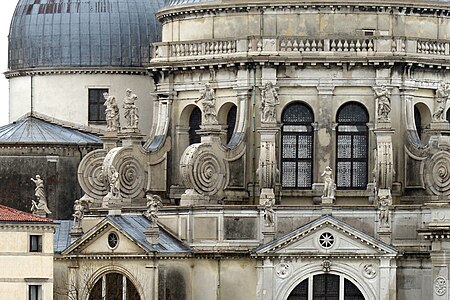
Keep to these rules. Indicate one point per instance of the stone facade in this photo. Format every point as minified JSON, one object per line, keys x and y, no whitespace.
{"x":293,"y":145}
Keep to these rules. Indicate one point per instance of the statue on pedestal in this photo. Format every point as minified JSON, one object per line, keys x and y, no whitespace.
{"x":382,"y":97}
{"x":40,"y":207}
{"x":269,"y":102}
{"x":78,"y":214}
{"x":154,"y":203}
{"x":131,"y":111}
{"x":112,"y":113}
{"x":441,"y":97}
{"x":269,"y":213}
{"x":384,"y":201}
{"x":208,"y":98}
{"x":329,"y":187}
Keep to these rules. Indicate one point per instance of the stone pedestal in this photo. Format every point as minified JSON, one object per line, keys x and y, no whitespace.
{"x":327,"y":205}
{"x":191,"y":197}
{"x":76,"y":233}
{"x":110,"y":140}
{"x":385,"y":234}
{"x":211,"y":133}
{"x":268,"y":233}
{"x":40,"y":212}
{"x":152,"y":235}
{"x":266,"y":194}
{"x":130,"y":136}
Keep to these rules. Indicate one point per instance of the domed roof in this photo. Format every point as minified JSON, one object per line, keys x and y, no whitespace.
{"x":83,"y":33}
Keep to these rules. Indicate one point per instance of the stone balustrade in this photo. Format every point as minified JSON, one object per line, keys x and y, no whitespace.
{"x":258,"y":45}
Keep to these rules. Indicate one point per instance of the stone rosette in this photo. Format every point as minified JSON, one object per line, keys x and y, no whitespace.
{"x":440,"y":286}
{"x":283,"y":270}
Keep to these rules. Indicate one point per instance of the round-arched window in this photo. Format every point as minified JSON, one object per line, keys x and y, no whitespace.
{"x":114,"y":286}
{"x":352,"y":146}
{"x":297,"y":142}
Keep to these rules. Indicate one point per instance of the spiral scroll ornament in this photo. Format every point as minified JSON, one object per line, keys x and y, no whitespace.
{"x":203,"y":170}
{"x":90,"y":174}
{"x":438,"y":173}
{"x":132,"y":176}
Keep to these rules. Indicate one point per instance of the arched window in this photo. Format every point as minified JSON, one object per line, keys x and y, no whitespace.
{"x":326,"y":286}
{"x":231,"y":122}
{"x":418,"y":121}
{"x":352,"y":147}
{"x":195,"y":120}
{"x":114,"y":286}
{"x":297,"y":140}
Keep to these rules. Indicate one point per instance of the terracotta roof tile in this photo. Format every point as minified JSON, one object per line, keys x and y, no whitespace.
{"x":9,"y":214}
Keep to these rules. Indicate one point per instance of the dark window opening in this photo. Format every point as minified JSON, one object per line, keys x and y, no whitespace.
{"x":34,"y":292}
{"x":297,"y":140}
{"x":231,"y":122}
{"x":195,"y":120}
{"x":352,"y":140}
{"x":96,"y":105}
{"x":418,"y":121}
{"x":35,"y":243}
{"x":117,"y":285}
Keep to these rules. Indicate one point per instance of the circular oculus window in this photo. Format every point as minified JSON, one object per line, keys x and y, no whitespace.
{"x":326,"y":240}
{"x":113,"y":240}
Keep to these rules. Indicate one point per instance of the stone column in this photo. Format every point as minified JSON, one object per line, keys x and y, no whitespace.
{"x":324,"y":137}
{"x":268,"y":172}
{"x":440,"y":260}
{"x":151,"y":284}
{"x":264,"y":286}
{"x":387,"y":277}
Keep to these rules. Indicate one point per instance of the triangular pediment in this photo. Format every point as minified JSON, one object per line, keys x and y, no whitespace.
{"x":131,"y":231}
{"x":326,"y":236}
{"x":95,"y":241}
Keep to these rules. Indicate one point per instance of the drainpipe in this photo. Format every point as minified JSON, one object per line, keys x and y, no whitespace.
{"x":254,"y":134}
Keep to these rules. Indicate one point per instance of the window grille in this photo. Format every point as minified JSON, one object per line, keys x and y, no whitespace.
{"x":297,"y":139}
{"x":352,"y":140}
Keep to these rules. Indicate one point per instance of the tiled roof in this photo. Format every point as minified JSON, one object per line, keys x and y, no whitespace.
{"x":8,"y":214}
{"x":37,"y":128}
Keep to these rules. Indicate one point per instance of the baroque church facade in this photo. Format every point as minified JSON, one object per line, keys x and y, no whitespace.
{"x":265,"y":150}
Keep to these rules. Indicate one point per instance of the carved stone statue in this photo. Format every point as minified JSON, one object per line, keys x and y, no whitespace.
{"x":329,"y":187}
{"x":269,"y":102}
{"x":112,"y":113}
{"x":382,"y":97}
{"x":114,"y":183}
{"x":78,"y":214}
{"x":154,"y":203}
{"x":384,"y":201}
{"x":208,"y":98}
{"x":131,"y":111}
{"x":441,"y":97}
{"x":40,"y":207}
{"x":269,"y":213}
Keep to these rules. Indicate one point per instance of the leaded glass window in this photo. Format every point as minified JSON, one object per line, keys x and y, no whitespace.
{"x":297,"y":140}
{"x":195,"y":120}
{"x":96,"y":105}
{"x":326,"y":286}
{"x":114,"y":286}
{"x":352,"y":141}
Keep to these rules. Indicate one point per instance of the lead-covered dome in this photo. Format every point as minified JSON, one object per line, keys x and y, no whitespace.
{"x":83,"y":33}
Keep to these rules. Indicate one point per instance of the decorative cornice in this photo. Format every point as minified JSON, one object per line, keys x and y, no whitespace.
{"x":74,"y":71}
{"x":401,"y":7}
